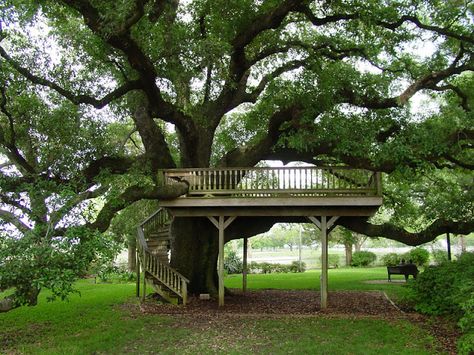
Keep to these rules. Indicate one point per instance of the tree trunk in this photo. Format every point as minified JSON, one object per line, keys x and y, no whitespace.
{"x":194,"y":251}
{"x":348,"y":249}
{"x":132,"y":255}
{"x":462,"y":242}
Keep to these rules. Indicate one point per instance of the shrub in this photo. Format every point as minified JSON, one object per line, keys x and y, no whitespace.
{"x":363,"y":258}
{"x":333,"y":260}
{"x":268,"y":268}
{"x":391,"y":259}
{"x":439,"y":256}
{"x":295,"y":266}
{"x":233,"y":263}
{"x":418,"y":256}
{"x":448,"y":289}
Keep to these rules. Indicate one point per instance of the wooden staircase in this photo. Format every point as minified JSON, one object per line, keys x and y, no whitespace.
{"x":153,"y":246}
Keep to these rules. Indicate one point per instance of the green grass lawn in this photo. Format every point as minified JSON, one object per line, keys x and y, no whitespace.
{"x":338,"y":279}
{"x":105,"y":320}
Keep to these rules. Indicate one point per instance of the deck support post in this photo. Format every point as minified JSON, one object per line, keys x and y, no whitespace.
{"x":244,"y":266}
{"x":221,"y":224}
{"x":324,"y":263}
{"x":325,"y":227}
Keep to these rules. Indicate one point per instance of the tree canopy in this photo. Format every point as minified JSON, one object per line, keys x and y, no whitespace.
{"x":97,"y":96}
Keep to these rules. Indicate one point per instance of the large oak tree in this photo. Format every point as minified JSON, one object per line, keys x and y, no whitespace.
{"x":97,"y":96}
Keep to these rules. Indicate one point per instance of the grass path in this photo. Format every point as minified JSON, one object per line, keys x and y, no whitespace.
{"x":105,"y":320}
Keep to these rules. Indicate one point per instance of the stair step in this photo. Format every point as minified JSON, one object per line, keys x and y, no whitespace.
{"x":163,"y":291}
{"x":158,"y":243}
{"x":160,"y":235}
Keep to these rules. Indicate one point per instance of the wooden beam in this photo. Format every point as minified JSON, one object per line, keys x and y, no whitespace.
{"x":331,"y":222}
{"x":316,"y":221}
{"x":229,"y":221}
{"x":243,"y":211}
{"x":244,"y":266}
{"x":321,"y":201}
{"x":214,"y":221}
{"x":324,"y":263}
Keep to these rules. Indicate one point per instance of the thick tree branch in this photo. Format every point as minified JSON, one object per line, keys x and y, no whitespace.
{"x":361,"y":225}
{"x":14,"y":203}
{"x":133,"y":194}
{"x":445,"y":31}
{"x":138,"y":60}
{"x":56,"y":216}
{"x":14,"y":220}
{"x":291,"y":65}
{"x":252,"y":154}
{"x":439,"y":30}
{"x":265,"y":21}
{"x":74,"y":98}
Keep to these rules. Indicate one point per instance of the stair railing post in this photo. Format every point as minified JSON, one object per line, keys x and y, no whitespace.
{"x":138,"y":272}
{"x":184,"y":291}
{"x":144,"y":276}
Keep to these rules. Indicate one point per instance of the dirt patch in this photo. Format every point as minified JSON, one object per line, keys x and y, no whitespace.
{"x":283,"y":302}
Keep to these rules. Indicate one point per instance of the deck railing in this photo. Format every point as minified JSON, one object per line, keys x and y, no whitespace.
{"x":268,"y":182}
{"x":152,"y":265}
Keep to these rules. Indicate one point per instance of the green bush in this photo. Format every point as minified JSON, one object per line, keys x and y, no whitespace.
{"x":391,"y":259}
{"x":295,"y":266}
{"x":269,"y":268}
{"x":466,"y":342}
{"x":333,"y":260}
{"x":419,"y":256}
{"x":448,"y":289}
{"x":363,"y":258}
{"x":439,"y":256}
{"x":233,"y":263}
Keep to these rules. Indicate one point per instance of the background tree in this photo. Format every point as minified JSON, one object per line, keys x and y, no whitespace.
{"x":233,"y":83}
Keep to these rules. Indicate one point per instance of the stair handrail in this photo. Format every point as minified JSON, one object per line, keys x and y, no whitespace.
{"x":152,"y":264}
{"x":150,"y":217}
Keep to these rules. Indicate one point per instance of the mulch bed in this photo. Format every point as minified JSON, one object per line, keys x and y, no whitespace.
{"x":302,"y":303}
{"x":372,"y":303}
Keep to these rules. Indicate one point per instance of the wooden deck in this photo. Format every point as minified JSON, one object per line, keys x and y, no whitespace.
{"x":322,"y":194}
{"x":287,"y":191}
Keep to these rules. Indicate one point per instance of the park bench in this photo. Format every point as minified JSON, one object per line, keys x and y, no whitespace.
{"x":402,"y":269}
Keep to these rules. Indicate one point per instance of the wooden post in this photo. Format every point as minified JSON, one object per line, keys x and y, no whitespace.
{"x":324,"y":263}
{"x":299,"y":248}
{"x":220,"y":270}
{"x":244,"y":267}
{"x":378,"y":182}
{"x":144,"y":276}
{"x":448,"y":242}
{"x":184,"y":292}
{"x":221,"y":224}
{"x":138,"y":273}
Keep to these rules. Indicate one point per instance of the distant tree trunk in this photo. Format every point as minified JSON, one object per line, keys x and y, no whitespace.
{"x":462,"y":243}
{"x":249,"y":248}
{"x":348,"y":250}
{"x":132,"y":255}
